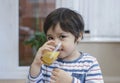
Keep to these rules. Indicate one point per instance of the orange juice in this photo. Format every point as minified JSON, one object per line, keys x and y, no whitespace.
{"x":49,"y":57}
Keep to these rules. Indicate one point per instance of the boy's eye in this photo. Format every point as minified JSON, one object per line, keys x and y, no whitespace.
{"x":62,"y":37}
{"x":49,"y":38}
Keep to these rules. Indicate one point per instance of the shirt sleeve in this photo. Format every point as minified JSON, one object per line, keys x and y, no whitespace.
{"x":37,"y":79}
{"x":94,"y":74}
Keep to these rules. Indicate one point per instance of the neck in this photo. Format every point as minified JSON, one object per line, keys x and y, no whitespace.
{"x":72,"y":56}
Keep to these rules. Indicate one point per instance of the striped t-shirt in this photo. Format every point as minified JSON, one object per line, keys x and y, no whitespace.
{"x":85,"y":69}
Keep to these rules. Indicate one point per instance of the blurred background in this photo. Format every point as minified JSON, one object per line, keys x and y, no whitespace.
{"x":21,"y":20}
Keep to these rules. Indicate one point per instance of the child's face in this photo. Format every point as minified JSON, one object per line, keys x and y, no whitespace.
{"x":68,"y":49}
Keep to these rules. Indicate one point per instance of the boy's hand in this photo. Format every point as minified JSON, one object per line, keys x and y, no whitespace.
{"x":48,"y":46}
{"x":37,"y":62}
{"x":60,"y":76}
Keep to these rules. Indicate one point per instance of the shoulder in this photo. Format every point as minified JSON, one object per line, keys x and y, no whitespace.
{"x":88,"y":59}
{"x":87,"y":56}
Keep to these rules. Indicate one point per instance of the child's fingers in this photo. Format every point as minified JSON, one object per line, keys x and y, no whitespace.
{"x":53,"y":77}
{"x":48,"y":48}
{"x":50,"y":42}
{"x":55,"y":71}
{"x":52,"y":81}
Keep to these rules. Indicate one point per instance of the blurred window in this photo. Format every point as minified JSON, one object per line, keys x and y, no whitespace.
{"x":32,"y":14}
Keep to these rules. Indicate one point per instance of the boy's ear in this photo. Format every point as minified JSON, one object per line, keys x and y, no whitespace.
{"x":80,"y":37}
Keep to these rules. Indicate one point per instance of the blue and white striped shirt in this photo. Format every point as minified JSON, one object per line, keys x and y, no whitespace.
{"x":85,"y":69}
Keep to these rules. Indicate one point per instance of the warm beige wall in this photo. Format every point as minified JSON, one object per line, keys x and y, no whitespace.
{"x":108,"y":55}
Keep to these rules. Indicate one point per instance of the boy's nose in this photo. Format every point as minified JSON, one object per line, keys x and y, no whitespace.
{"x":57,"y":41}
{"x":58,"y":46}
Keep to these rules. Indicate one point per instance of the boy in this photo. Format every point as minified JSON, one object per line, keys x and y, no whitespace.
{"x":65,"y":26}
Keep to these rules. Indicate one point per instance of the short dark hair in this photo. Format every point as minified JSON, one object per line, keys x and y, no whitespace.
{"x":69,"y":20}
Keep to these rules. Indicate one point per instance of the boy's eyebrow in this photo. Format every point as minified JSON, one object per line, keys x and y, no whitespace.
{"x":63,"y":33}
{"x":57,"y":34}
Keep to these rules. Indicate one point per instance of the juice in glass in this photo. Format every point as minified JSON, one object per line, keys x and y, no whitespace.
{"x":49,"y":57}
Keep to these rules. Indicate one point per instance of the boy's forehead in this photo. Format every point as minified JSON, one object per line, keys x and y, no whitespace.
{"x":57,"y":28}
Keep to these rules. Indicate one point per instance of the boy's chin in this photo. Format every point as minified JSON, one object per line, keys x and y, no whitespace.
{"x":60,"y":57}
